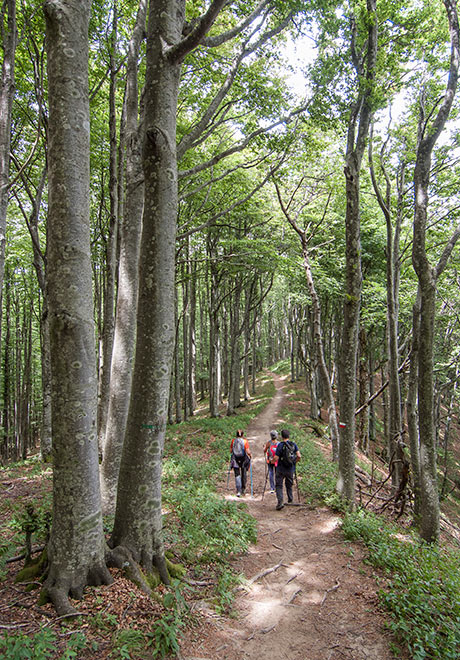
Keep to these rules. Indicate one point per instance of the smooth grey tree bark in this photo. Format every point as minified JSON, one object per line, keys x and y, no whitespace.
{"x":138,"y":517}
{"x":427,"y":277}
{"x":128,"y":278}
{"x":76,"y":549}
{"x":358,"y":128}
{"x":412,"y":416}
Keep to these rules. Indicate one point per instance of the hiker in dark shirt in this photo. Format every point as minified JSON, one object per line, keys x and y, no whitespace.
{"x":240,"y":461}
{"x":288,"y":454}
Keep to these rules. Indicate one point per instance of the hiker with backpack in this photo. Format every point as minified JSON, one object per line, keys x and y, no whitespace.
{"x":288,"y":454}
{"x":271,"y":458}
{"x":240,"y":461}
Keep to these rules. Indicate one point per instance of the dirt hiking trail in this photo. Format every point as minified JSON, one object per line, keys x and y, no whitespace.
{"x":309,"y":596}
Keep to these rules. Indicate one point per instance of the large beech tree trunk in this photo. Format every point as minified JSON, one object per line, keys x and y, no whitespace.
{"x":138,"y":518}
{"x":76,"y":547}
{"x":412,"y":417}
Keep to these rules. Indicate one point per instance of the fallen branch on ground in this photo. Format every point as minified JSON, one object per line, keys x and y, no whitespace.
{"x":262,"y":574}
{"x":293,"y":577}
{"x":294,"y":596}
{"x":11,"y":560}
{"x":263,"y":631}
{"x":334,"y":588}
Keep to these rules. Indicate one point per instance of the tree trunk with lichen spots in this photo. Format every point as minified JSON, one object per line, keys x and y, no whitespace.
{"x":138,"y":518}
{"x":76,"y":548}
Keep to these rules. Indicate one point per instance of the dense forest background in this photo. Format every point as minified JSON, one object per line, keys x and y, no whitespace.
{"x":176,"y":216}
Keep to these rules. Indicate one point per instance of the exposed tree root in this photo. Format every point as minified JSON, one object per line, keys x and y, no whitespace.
{"x":59,"y":588}
{"x":120,"y":557}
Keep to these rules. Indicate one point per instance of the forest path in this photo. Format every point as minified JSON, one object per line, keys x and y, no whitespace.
{"x":309,"y":596}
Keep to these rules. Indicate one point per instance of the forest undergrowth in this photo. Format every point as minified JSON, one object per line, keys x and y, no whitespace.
{"x":419,"y":585}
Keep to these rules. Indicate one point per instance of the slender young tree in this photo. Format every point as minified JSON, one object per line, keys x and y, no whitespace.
{"x":317,"y":329}
{"x":108,"y":321}
{"x":358,"y":127}
{"x":427,"y":277}
{"x":393,"y":222}
{"x":128,"y":277}
{"x":6,"y":103}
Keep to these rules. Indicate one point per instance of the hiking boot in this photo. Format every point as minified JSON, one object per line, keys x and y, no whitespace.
{"x":290,"y":501}
{"x":279,"y":506}
{"x":272,"y":490}
{"x":238,"y":494}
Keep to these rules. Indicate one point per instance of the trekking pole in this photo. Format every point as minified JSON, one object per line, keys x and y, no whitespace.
{"x":250,"y":472}
{"x":266,"y":477}
{"x":228,"y":473}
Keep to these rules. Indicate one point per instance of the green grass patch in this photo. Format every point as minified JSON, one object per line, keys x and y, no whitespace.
{"x":422,"y":586}
{"x":207,"y":528}
{"x":282,"y":368}
{"x":40,"y":646}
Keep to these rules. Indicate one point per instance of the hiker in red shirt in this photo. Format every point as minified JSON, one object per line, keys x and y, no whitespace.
{"x":271,"y":458}
{"x":240,"y":461}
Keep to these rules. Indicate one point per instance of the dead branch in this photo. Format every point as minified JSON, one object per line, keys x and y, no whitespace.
{"x":263,"y":574}
{"x":19,"y":557}
{"x":293,"y":577}
{"x":334,"y":588}
{"x":382,"y":389}
{"x":294,"y":596}
{"x":264,"y":631}
{"x":70,"y":615}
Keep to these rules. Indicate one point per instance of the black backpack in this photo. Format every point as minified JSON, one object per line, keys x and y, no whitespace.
{"x":288,"y":453}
